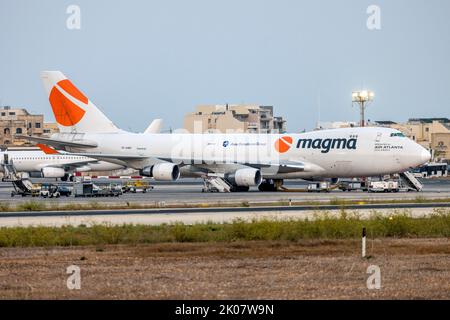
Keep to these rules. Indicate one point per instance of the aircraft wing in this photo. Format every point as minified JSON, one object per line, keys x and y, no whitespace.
{"x":120,"y":159}
{"x":284,"y":166}
{"x":279,"y":166}
{"x":59,"y":144}
{"x":76,"y":164}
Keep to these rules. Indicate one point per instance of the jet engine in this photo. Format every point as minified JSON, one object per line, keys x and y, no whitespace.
{"x":245,"y":177}
{"x":162,"y":171}
{"x":53,"y":172}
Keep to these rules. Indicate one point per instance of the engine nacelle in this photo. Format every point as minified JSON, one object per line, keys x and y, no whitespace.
{"x":53,"y":172}
{"x":84,"y":168}
{"x":162,"y":172}
{"x":245,"y":177}
{"x":35,"y":174}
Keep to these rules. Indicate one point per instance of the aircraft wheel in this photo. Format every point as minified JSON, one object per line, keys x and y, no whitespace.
{"x":267,"y":186}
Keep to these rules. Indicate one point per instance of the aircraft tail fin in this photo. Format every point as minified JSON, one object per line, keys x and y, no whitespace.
{"x":73,"y":111}
{"x":155,"y":126}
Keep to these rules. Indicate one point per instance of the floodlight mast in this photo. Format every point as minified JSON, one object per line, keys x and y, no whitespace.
{"x":362,"y":98}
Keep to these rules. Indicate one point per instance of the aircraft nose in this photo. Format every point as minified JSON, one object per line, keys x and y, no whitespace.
{"x":425,"y":156}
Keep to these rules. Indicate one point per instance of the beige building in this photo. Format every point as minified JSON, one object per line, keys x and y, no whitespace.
{"x":50,"y":128}
{"x":239,"y":118}
{"x":14,"y":121}
{"x":18,"y":121}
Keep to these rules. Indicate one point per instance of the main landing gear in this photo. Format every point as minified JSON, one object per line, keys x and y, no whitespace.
{"x":271,"y":185}
{"x":68,"y":177}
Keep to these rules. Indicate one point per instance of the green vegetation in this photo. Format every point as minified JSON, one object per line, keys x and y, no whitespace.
{"x":4,"y":206}
{"x":30,"y":206}
{"x":34,"y":205}
{"x":323,"y":226}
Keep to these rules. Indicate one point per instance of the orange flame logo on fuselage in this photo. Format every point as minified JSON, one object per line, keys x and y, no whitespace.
{"x":66,"y":112}
{"x":283,"y":144}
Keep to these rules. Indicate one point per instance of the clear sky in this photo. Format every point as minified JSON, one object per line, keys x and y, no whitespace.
{"x":139,"y":60}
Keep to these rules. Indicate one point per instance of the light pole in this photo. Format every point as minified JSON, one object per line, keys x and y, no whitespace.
{"x":362,"y":98}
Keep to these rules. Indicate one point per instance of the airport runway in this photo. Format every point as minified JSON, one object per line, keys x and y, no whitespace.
{"x":188,"y":192}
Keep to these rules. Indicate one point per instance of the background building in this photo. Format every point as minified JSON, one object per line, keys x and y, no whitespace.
{"x":18,"y":121}
{"x":241,"y":118}
{"x":50,"y":128}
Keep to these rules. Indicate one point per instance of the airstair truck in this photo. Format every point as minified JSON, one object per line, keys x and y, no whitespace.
{"x":22,"y":186}
{"x":411,"y":182}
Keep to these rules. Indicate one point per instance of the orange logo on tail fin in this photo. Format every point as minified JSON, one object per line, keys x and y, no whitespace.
{"x":47,"y":149}
{"x":66,"y":112}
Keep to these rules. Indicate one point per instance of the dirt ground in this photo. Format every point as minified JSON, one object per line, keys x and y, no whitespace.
{"x":410,"y":268}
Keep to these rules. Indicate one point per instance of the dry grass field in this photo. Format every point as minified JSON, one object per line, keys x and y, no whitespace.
{"x":305,"y":269}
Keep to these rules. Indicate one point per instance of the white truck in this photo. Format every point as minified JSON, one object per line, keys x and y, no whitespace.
{"x":319,"y":187}
{"x":384,"y":186}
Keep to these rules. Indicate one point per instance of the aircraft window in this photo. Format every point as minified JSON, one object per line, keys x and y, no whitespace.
{"x":397,"y":134}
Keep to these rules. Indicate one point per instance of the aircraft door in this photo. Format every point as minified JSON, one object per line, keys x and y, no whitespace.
{"x":378,"y":138}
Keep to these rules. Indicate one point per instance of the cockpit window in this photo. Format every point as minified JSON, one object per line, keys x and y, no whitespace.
{"x":397,"y":134}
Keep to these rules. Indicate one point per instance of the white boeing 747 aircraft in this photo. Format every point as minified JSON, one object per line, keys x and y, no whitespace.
{"x":238,"y":160}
